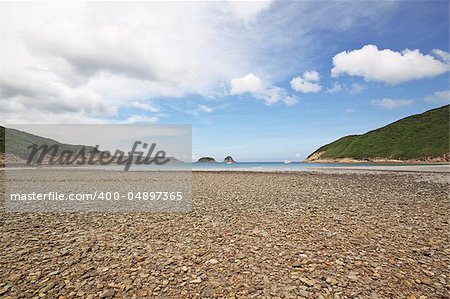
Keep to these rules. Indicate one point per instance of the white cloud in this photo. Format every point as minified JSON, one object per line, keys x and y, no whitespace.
{"x":144,"y":106}
{"x":442,"y":55}
{"x":199,"y":109}
{"x":83,"y":61}
{"x":441,"y":97}
{"x":356,"y":88}
{"x":247,"y":10}
{"x":249,"y":83}
{"x":353,"y":88}
{"x":205,"y":108}
{"x":388,"y":66}
{"x":38,"y":116}
{"x":391,"y":104}
{"x":335,"y":88}
{"x":307,"y":83}
{"x":93,"y":58}
{"x":301,"y":85}
{"x":349,"y":110}
{"x":139,"y":119}
{"x":252,"y":84}
{"x":311,"y":76}
{"x":273,"y":94}
{"x":290,"y":100}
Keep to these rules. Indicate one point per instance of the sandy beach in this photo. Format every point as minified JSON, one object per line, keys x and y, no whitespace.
{"x":249,"y":235}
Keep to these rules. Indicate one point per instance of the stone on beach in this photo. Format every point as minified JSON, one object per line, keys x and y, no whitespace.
{"x":327,"y":235}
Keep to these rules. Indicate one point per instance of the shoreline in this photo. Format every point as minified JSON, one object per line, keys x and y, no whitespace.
{"x":422,"y":168}
{"x":427,"y":168}
{"x":440,"y":168}
{"x":438,"y":160}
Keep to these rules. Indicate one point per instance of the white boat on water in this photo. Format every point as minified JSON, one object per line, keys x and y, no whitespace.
{"x":287,"y":162}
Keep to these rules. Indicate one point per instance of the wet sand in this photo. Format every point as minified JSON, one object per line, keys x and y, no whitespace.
{"x":249,"y":235}
{"x":441,"y":168}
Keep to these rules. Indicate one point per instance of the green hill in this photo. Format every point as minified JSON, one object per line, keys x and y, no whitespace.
{"x":420,"y":137}
{"x":2,"y":139}
{"x":18,"y":142}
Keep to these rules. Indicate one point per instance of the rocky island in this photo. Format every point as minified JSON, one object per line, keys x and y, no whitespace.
{"x":228,"y":160}
{"x":206,"y":160}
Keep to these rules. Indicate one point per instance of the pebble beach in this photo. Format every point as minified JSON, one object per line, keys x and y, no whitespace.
{"x":249,"y":235}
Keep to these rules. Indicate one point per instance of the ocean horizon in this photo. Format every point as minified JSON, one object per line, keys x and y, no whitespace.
{"x":269,"y":166}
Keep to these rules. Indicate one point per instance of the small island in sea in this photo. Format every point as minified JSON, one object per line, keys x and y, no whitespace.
{"x":206,"y":160}
{"x":229,"y":160}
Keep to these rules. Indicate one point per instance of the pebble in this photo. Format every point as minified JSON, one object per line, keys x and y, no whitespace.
{"x":297,"y":264}
{"x":302,"y":256}
{"x":264,"y":237}
{"x":196,"y":280}
{"x":213,"y":261}
{"x":14,"y":277}
{"x":108,"y":293}
{"x":427,"y":281}
{"x":4,"y":289}
{"x":303,"y":293}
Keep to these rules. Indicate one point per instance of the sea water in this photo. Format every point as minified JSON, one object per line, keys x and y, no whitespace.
{"x":272,"y":166}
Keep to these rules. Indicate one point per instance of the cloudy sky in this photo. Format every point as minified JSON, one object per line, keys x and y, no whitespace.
{"x":261,"y":81}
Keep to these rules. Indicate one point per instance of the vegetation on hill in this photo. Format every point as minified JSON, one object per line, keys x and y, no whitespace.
{"x":19,"y":141}
{"x":2,"y":139}
{"x":418,"y":137}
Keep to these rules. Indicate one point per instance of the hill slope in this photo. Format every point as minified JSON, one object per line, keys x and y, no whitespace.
{"x":2,"y":139}
{"x":420,"y":137}
{"x":19,"y":142}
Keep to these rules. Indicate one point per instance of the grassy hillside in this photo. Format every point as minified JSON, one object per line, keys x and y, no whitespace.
{"x":420,"y":136}
{"x":2,"y":139}
{"x":19,"y":141}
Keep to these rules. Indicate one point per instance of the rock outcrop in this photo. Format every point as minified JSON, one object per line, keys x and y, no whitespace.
{"x":206,"y":160}
{"x":228,"y":159}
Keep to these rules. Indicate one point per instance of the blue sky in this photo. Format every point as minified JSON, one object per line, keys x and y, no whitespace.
{"x":262,"y":81}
